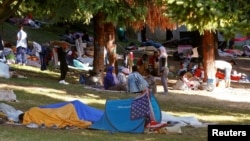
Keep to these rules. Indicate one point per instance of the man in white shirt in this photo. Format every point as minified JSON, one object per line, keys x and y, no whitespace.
{"x":21,"y":46}
{"x":227,"y":68}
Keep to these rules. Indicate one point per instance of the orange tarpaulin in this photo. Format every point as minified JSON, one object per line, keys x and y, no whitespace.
{"x":59,"y":117}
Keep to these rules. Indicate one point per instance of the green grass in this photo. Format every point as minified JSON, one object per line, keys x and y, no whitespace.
{"x":41,"y":35}
{"x":41,"y":88}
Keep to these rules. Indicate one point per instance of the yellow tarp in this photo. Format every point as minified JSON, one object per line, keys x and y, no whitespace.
{"x":59,"y":117}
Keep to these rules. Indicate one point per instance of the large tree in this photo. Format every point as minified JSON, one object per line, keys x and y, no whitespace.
{"x":209,"y":16}
{"x":106,"y":14}
{"x":8,"y":8}
{"x":110,"y":14}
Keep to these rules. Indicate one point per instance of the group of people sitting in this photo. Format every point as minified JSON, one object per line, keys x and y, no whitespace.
{"x":145,"y":63}
{"x":193,"y":80}
{"x":136,"y":77}
{"x":132,"y":82}
{"x":189,"y":81}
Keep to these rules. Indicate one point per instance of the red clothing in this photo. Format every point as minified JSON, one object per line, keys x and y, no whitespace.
{"x":139,"y":62}
{"x":198,"y":72}
{"x":30,"y":16}
{"x":221,"y":75}
{"x":152,"y":60}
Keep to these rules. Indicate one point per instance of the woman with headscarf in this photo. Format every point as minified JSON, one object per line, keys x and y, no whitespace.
{"x":110,"y":79}
{"x":163,"y":68}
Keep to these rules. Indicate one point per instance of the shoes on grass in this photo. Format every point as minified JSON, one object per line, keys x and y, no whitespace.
{"x":63,"y":82}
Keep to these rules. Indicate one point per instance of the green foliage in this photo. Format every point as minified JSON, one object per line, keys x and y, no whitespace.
{"x":228,"y":16}
{"x":8,"y":8}
{"x":42,"y":88}
{"x":115,"y":11}
{"x":118,"y":12}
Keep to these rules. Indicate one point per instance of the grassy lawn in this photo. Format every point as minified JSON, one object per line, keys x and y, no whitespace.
{"x":41,"y":88}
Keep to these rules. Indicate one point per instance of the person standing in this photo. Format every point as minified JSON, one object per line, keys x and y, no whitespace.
{"x":1,"y":48}
{"x":44,"y":56}
{"x":111,"y":51}
{"x":130,"y":61}
{"x":61,"y":48}
{"x":163,"y":68}
{"x":21,"y":46}
{"x":79,"y":46}
{"x":63,"y":65}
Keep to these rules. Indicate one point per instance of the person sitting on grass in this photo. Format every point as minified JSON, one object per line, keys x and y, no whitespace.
{"x":187,"y":82}
{"x":136,"y":83}
{"x":121,"y":76}
{"x":110,"y":79}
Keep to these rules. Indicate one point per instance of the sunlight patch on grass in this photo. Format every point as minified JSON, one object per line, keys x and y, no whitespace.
{"x":32,"y":69}
{"x":92,"y":95}
{"x":219,"y":94}
{"x":56,"y":94}
{"x":27,"y":68}
{"x":212,"y":117}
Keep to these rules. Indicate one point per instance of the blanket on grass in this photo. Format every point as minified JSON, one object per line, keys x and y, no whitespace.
{"x":65,"y":114}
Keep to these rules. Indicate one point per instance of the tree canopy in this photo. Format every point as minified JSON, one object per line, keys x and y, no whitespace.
{"x":228,"y":16}
{"x":123,"y":13}
{"x":8,"y":7}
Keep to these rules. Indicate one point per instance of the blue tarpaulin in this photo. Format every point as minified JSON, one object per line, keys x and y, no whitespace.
{"x":84,"y":111}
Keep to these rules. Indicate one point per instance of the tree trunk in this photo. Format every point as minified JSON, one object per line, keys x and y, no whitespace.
{"x":216,"y":46}
{"x":102,"y":33}
{"x":99,"y":43}
{"x":208,"y":48}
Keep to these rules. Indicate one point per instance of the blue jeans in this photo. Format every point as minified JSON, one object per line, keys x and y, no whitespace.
{"x":21,"y":55}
